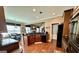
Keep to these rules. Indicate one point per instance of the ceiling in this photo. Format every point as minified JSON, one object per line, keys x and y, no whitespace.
{"x":32,"y":14}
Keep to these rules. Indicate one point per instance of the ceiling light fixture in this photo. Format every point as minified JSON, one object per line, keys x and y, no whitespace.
{"x":53,"y":13}
{"x":34,"y":9}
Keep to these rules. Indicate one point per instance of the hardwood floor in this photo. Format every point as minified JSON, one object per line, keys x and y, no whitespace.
{"x":42,"y":48}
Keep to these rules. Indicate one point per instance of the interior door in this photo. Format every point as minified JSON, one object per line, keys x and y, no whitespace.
{"x":54,"y":31}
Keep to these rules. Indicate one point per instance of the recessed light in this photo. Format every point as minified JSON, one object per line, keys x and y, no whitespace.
{"x":34,"y":9}
{"x":53,"y":13}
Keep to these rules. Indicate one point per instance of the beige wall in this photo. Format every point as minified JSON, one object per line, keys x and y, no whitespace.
{"x":48,"y":25}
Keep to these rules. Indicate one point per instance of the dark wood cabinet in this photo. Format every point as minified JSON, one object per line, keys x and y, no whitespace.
{"x":32,"y":38}
{"x":43,"y":38}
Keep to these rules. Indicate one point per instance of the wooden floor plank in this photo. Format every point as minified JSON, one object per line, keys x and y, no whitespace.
{"x":42,"y":48}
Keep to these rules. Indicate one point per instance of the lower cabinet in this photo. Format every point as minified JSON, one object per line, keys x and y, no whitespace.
{"x":31,"y":39}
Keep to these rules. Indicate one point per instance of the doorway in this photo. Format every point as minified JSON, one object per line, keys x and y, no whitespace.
{"x":54,"y":31}
{"x":59,"y":35}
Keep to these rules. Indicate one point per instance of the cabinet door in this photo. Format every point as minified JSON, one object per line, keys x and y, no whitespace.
{"x":38,"y":38}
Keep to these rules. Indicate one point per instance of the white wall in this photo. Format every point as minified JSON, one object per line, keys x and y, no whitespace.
{"x":48,"y":25}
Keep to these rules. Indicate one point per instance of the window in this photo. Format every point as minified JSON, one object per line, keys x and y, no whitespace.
{"x":13,"y":29}
{"x":37,"y":30}
{"x":73,"y":27}
{"x":28,"y":30}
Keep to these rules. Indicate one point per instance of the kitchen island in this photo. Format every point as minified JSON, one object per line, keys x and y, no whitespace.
{"x":35,"y":37}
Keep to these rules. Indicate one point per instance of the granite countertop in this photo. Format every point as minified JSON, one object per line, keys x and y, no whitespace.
{"x":42,"y":34}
